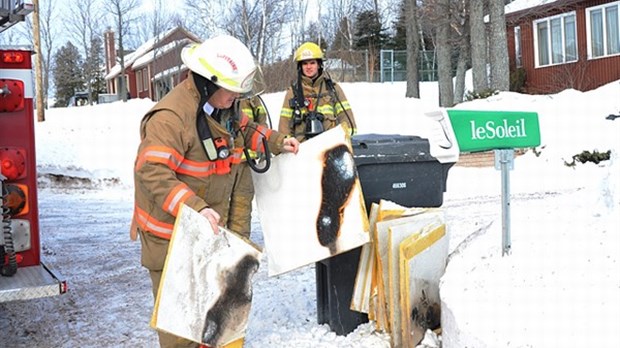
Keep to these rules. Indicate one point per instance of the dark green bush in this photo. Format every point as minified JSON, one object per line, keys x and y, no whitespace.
{"x":587,"y":156}
{"x":517,"y":80}
{"x":485,"y":93}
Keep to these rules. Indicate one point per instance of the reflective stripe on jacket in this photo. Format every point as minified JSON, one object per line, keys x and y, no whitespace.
{"x":255,"y":110}
{"x":335,"y":108}
{"x":172,"y":167}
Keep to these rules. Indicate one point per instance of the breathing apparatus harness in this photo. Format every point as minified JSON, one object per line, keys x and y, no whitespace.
{"x":253,"y":163}
{"x":313,"y":118}
{"x":218,"y":149}
{"x":330,"y":85}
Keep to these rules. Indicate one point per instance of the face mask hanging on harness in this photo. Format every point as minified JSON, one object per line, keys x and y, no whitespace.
{"x":313,"y":119}
{"x":218,"y":150}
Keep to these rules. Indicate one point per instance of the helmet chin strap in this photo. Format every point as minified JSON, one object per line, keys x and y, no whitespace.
{"x":214,"y":148}
{"x":206,"y":88}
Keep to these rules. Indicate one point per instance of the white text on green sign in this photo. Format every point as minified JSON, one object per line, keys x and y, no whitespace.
{"x":487,"y":130}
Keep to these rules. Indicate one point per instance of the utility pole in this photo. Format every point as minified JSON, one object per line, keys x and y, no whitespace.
{"x":38,"y":65}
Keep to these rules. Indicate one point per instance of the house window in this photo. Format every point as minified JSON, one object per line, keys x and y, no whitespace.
{"x":127,"y":86}
{"x":518,"y":61}
{"x":145,"y":79}
{"x":603,"y":30}
{"x":139,"y":80}
{"x":555,"y":40}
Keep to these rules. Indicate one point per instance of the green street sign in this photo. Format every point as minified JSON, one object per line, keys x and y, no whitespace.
{"x":488,"y":130}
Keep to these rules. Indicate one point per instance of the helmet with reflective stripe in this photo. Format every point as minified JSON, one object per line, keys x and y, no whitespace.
{"x":308,"y":50}
{"x":224,"y":60}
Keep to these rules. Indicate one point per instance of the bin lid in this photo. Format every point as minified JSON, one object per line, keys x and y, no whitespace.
{"x":434,"y":141}
{"x":441,"y":137}
{"x":374,"y":148}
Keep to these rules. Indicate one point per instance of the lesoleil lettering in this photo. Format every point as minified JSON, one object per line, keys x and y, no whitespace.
{"x":491,"y":130}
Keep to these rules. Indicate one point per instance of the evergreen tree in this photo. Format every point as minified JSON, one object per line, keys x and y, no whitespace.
{"x":342,"y":41}
{"x":314,"y":34}
{"x":370,"y":35}
{"x":369,"y":32}
{"x":399,"y":41}
{"x":68,"y":77}
{"x":94,"y":68}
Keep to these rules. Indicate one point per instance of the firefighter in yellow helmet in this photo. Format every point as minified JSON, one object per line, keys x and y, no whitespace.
{"x":190,"y":150}
{"x":314,"y":103}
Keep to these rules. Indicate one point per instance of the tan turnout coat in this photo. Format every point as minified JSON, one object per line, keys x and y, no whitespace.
{"x":172,"y":168}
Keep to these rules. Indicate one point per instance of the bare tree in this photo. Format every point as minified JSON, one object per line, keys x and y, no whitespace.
{"x":84,"y":25}
{"x":577,"y":75}
{"x":257,"y":23}
{"x":156,"y":21}
{"x":337,"y":22}
{"x":122,"y":11}
{"x":38,"y":63}
{"x":259,"y":26}
{"x":462,"y":45}
{"x":250,"y":26}
{"x":478,"y":45}
{"x":500,"y":74}
{"x":10,"y":37}
{"x":413,"y":49}
{"x":48,"y":34}
{"x":202,"y":16}
{"x":299,"y":10}
{"x":444,"y":54}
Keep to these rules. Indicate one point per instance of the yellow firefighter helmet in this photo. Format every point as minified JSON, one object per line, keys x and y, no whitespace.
{"x":308,"y":50}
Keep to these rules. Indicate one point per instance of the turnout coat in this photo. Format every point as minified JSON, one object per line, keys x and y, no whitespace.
{"x":318,"y":97}
{"x":172,"y":167}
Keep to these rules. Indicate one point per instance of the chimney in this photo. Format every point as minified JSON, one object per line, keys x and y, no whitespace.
{"x":110,"y":50}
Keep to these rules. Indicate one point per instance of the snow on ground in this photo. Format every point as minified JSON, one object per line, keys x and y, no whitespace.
{"x":560,"y":287}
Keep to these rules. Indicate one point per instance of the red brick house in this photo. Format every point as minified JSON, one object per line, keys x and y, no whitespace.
{"x":564,"y":44}
{"x":153,"y":68}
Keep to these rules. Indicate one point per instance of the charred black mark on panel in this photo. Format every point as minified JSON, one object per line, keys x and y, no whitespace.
{"x":426,"y":314}
{"x":235,"y":298}
{"x":337,"y":181}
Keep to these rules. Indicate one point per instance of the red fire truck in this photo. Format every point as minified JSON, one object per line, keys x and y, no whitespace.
{"x":22,"y":274}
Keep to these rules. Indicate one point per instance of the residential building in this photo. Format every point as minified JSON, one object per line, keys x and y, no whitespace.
{"x":564,"y":44}
{"x":152,"y":69}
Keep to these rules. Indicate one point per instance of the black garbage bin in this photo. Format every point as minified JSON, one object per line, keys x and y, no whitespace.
{"x":399,"y":168}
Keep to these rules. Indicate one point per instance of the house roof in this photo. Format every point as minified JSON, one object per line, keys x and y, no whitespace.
{"x":173,"y":70}
{"x":519,"y":5}
{"x":145,"y":48}
{"x":155,"y":53}
{"x":537,"y":8}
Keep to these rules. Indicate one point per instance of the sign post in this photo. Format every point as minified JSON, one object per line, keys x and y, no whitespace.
{"x":502,"y":131}
{"x":504,"y":161}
